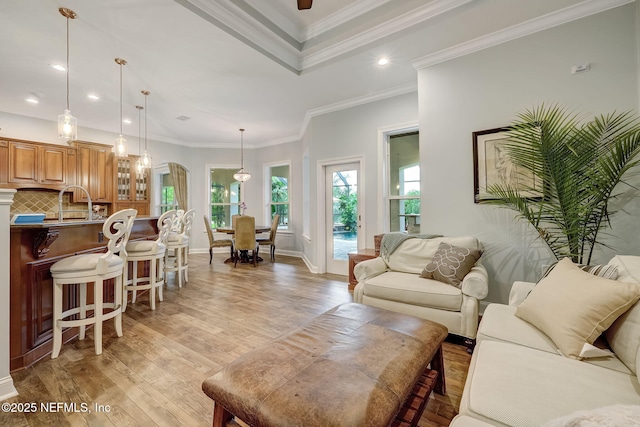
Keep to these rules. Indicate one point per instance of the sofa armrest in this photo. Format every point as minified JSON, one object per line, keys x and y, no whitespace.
{"x":476,"y":282}
{"x":369,"y":268}
{"x":519,"y":291}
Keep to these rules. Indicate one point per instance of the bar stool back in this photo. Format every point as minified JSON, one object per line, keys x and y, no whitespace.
{"x":152,"y":251}
{"x":178,"y":245}
{"x":93,"y":268}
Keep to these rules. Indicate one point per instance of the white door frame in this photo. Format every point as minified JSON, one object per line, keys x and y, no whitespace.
{"x":321,"y":229}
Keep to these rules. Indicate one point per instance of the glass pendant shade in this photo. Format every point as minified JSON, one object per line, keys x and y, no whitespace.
{"x":121,"y":146}
{"x":139,"y":166}
{"x":242,"y":175}
{"x":67,"y":126}
{"x":145,"y":159}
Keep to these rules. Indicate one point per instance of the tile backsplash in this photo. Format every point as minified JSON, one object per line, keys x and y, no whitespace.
{"x":42,"y":201}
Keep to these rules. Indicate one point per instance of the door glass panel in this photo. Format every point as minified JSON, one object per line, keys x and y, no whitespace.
{"x":345,"y":213}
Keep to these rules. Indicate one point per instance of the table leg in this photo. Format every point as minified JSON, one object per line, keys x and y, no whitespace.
{"x":437,"y":364}
{"x":220,"y":416}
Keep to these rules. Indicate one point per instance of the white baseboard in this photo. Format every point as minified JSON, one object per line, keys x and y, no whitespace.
{"x":7,"y":390}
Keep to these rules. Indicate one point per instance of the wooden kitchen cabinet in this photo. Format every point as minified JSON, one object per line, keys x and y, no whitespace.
{"x":38,"y":165}
{"x":132,"y":188}
{"x":94,"y":172}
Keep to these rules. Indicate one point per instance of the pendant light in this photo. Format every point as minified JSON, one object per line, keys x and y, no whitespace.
{"x":242,"y":175}
{"x":146,"y":157}
{"x":121,"y":143}
{"x":139,"y":166}
{"x":67,"y":124}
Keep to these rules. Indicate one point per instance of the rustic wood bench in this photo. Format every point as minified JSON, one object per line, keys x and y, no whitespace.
{"x":354,"y":365}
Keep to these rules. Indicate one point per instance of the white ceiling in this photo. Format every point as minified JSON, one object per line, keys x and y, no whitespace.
{"x":257,"y":64}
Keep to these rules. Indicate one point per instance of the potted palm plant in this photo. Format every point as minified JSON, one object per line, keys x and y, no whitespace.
{"x":575,"y":166}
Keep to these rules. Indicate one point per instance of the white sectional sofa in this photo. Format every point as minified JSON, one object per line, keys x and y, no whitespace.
{"x":394,"y":282}
{"x":517,"y":376}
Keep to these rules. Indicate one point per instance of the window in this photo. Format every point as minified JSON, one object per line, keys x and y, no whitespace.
{"x":224,"y":196}
{"x":167,"y":196}
{"x":404,"y":182}
{"x":279,"y":200}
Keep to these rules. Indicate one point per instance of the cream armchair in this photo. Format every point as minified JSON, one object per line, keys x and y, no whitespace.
{"x":394,"y":282}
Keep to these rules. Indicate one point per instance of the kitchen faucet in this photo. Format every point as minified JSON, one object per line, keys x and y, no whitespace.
{"x":60,"y":212}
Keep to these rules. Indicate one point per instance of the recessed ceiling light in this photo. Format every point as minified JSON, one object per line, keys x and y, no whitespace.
{"x":93,"y":96}
{"x":183,"y":118}
{"x":383,"y":61}
{"x":59,"y":67}
{"x":126,"y":121}
{"x":32,"y":100}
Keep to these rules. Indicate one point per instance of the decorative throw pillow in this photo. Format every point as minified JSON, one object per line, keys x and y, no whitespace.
{"x":602,"y":270}
{"x":574,"y":307}
{"x":450,"y":264}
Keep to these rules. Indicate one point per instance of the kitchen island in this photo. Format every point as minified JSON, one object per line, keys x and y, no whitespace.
{"x":34,"y":248}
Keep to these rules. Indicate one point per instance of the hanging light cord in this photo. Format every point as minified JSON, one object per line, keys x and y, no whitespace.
{"x":121,"y":64}
{"x":145,"y":119}
{"x":242,"y":150}
{"x":67,"y":63}
{"x":139,"y":126}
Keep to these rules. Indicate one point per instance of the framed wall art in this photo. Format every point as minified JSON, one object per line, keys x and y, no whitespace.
{"x":493,"y":165}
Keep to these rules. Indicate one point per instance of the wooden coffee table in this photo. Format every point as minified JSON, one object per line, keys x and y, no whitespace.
{"x":353,"y":365}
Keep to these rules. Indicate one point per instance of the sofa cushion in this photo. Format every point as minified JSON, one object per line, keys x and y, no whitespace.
{"x":615,"y":415}
{"x":413,"y":254}
{"x":412,"y":289}
{"x":499,"y":323}
{"x":623,"y":335}
{"x":450,"y":264}
{"x":573,"y":307}
{"x":521,"y":386}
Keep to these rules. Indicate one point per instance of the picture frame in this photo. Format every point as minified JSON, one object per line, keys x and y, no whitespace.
{"x":492,"y":165}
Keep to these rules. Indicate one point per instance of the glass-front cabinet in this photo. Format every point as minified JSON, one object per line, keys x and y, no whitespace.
{"x":132,"y":186}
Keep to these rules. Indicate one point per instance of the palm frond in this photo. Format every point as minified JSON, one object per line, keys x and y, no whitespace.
{"x":576,"y":166}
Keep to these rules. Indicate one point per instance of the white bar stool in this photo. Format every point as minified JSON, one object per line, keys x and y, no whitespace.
{"x":178,"y":243}
{"x":152,"y":251}
{"x":93,"y":268}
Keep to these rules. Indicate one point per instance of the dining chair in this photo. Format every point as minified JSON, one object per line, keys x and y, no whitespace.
{"x":245,"y":238}
{"x":213,"y":243}
{"x":233,"y":220}
{"x":271,"y":241}
{"x":93,"y":268}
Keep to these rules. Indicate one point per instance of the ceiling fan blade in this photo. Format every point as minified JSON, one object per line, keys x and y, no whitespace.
{"x":304,"y":4}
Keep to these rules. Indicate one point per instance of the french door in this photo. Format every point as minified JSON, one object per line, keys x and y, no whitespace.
{"x":343,"y":216}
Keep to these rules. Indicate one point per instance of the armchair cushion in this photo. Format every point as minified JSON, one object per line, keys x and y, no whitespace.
{"x":450,"y":264}
{"x":574,"y":307}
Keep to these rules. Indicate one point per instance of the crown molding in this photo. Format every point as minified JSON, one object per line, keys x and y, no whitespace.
{"x":237,"y":23}
{"x":402,"y":22}
{"x":342,"y":16}
{"x":550,"y":20}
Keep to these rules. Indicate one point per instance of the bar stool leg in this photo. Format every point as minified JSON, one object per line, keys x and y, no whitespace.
{"x":83,"y":309}
{"x":162,"y":275}
{"x":152,"y":282}
{"x":185,"y":263}
{"x":134,"y":282}
{"x":57,"y":316}
{"x":179,"y":266}
{"x":97,"y":314}
{"x":117,"y":321}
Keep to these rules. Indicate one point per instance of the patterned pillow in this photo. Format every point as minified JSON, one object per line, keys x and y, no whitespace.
{"x":450,"y":264}
{"x":600,"y":270}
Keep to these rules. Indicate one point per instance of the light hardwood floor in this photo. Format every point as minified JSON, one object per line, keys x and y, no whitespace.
{"x":153,"y":374}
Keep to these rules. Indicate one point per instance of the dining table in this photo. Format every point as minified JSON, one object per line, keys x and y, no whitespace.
{"x":231,"y":230}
